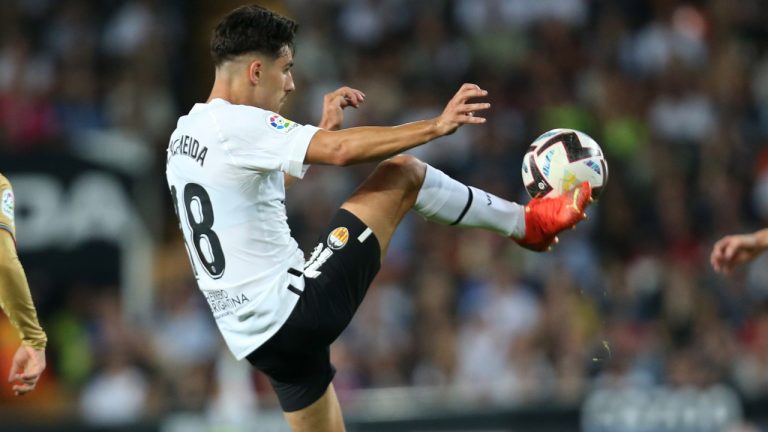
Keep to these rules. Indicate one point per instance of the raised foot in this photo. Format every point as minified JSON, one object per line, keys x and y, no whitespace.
{"x":546,"y":217}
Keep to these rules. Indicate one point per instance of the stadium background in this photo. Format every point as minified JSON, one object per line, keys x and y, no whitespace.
{"x":623,"y":328}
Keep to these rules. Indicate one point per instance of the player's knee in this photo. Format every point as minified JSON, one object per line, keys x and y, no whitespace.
{"x":406,"y":168}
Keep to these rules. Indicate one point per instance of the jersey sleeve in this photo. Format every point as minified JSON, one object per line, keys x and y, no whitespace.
{"x":15,"y":298}
{"x":265,"y":141}
{"x":7,"y":205}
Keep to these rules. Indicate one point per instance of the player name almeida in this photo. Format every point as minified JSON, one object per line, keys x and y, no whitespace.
{"x":187,"y":146}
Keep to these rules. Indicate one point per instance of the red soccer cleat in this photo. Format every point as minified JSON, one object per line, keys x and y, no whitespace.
{"x":546,"y":217}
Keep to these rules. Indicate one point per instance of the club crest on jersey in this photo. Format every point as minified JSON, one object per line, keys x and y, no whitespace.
{"x":337,"y":239}
{"x":280,"y":123}
{"x":8,"y":204}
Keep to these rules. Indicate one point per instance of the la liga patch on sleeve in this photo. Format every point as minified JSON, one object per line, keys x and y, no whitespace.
{"x":8,"y":204}
{"x":279,"y":123}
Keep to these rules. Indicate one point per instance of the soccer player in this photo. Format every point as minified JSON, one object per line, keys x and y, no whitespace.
{"x":16,"y":301}
{"x":733,"y":250}
{"x":229,"y":162}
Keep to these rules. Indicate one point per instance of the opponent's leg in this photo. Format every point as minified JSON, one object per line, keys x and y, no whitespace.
{"x":324,"y":415}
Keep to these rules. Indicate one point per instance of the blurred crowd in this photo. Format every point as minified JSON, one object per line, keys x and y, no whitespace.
{"x":676,"y":92}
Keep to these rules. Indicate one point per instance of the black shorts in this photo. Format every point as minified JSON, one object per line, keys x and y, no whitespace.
{"x":337,"y":275}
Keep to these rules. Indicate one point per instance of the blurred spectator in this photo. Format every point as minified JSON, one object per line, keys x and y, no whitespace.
{"x":116,"y":395}
{"x":27,"y":117}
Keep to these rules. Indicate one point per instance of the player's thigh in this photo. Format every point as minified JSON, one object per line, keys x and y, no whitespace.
{"x":324,"y":415}
{"x":384,"y":198}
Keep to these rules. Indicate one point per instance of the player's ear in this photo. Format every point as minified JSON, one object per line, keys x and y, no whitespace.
{"x":254,"y":71}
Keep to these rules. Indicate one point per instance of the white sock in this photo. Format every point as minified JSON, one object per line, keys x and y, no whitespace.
{"x":446,"y":201}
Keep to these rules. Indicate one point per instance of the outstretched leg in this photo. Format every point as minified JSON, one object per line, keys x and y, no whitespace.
{"x":404,"y":182}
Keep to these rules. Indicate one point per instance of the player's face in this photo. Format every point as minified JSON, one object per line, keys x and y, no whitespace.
{"x":275,"y":82}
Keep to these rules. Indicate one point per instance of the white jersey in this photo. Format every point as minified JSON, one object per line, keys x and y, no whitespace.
{"x":225,"y":169}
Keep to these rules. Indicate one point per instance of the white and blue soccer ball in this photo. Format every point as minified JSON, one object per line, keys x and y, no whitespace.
{"x":561,"y":159}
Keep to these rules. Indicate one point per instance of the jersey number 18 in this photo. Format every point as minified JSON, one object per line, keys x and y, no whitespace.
{"x":199,"y":217}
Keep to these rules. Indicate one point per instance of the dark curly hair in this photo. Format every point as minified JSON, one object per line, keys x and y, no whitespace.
{"x":250,"y":29}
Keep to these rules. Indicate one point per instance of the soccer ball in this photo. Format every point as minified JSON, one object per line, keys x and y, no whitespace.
{"x":561,"y":159}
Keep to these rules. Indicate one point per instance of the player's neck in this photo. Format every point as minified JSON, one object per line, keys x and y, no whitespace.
{"x":228,"y":89}
{"x":225,"y":94}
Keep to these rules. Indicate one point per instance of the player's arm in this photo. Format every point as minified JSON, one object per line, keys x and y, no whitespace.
{"x":370,"y":143}
{"x":733,"y":250}
{"x":16,"y":302}
{"x":333,"y":114}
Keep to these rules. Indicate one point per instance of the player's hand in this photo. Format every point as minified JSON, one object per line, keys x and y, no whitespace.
{"x":732,"y":250}
{"x":28,"y":364}
{"x":334,"y":104}
{"x":460,"y":111}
